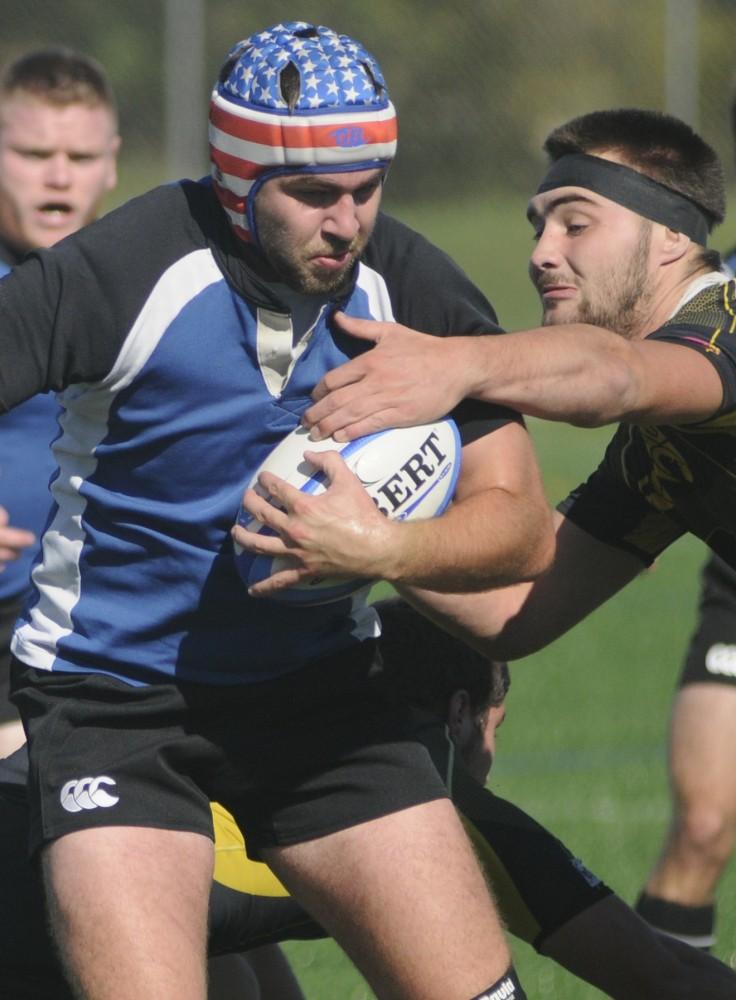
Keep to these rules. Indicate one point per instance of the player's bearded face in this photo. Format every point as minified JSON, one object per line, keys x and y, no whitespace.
{"x":313,"y":228}
{"x":477,"y":745}
{"x":614,"y":291}
{"x":299,"y":266}
{"x":592,"y":262}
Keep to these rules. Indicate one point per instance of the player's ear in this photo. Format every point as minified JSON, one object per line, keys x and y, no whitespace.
{"x":673,"y":245}
{"x":458,"y":713}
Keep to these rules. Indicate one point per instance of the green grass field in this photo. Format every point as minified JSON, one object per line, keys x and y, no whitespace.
{"x":583,"y":750}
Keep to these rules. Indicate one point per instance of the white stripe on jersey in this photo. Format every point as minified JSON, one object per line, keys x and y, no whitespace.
{"x":374,"y":286}
{"x":84,"y":425}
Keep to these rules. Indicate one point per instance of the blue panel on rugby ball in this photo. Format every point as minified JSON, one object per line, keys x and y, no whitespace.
{"x":409,"y":472}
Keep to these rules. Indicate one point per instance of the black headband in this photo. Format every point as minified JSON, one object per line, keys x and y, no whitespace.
{"x":631,"y":189}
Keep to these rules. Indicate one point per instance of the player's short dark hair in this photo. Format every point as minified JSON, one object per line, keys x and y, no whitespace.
{"x":59,"y":76}
{"x":656,"y":144}
{"x":425,"y":665}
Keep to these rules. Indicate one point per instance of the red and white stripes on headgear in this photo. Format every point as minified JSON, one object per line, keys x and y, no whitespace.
{"x":295,"y":98}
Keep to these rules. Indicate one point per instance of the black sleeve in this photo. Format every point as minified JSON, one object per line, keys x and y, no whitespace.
{"x":539,"y":884}
{"x":44,"y":319}
{"x":65,"y":312}
{"x":239,"y":921}
{"x":608,"y":509}
{"x":707,"y":324}
{"x":429,"y":292}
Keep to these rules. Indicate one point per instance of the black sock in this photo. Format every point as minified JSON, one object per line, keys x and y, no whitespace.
{"x":694,"y":925}
{"x":507,"y":987}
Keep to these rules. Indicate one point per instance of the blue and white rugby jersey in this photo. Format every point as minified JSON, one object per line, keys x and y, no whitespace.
{"x":158,"y":331}
{"x":26,"y":466}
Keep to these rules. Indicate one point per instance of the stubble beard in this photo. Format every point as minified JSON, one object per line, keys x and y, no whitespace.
{"x":294,"y":265}
{"x":622,"y":298}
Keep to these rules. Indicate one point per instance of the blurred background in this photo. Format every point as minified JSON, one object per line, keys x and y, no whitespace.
{"x":478,"y":84}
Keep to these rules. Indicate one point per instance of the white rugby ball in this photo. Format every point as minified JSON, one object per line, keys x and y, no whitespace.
{"x":409,"y":473}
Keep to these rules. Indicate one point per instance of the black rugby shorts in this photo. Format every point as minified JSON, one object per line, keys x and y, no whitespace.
{"x":711,"y":654}
{"x":9,"y":612}
{"x":305,"y":755}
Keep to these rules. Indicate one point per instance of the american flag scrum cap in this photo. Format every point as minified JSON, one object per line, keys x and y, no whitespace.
{"x":295,"y":98}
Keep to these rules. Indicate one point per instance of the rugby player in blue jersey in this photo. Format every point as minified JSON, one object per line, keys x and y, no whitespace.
{"x":58,"y":149}
{"x":185,"y":333}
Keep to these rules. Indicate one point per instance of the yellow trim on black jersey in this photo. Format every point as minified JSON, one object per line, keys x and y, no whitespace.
{"x":233,"y":867}
{"x":517,"y":917}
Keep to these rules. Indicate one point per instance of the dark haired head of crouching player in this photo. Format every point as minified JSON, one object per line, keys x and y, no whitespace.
{"x":431,"y":669}
{"x":619,"y":174}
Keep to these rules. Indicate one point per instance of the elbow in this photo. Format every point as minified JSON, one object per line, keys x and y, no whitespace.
{"x":626,"y":381}
{"x":539,"y":552}
{"x":541,"y":563}
{"x":528,"y":551}
{"x":522,"y":563}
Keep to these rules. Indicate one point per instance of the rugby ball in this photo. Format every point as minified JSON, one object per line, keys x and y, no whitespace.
{"x":409,"y":473}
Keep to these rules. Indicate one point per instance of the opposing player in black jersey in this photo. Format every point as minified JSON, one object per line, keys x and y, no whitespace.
{"x":680,"y":894}
{"x":621,"y":221}
{"x":546,"y":896}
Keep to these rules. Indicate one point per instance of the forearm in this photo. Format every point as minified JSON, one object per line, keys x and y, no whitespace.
{"x":513,"y":622}
{"x":487,"y":540}
{"x":609,"y":946}
{"x":578,"y":374}
{"x":478,"y":619}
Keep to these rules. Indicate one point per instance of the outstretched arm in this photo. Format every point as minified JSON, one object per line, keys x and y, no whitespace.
{"x":611,"y":947}
{"x":498,"y":530}
{"x":579,"y":374}
{"x":513,"y":622}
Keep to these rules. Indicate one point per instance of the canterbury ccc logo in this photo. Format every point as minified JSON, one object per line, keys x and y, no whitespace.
{"x":87,"y":793}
